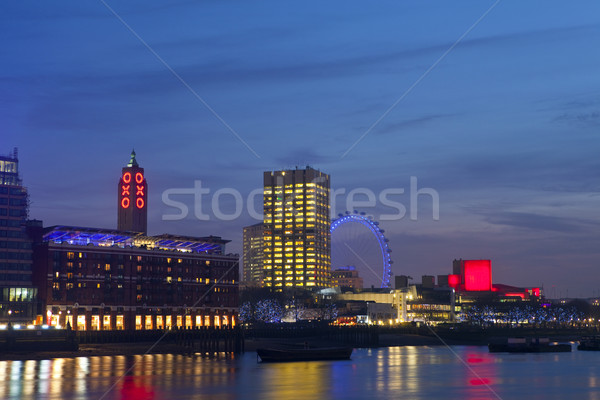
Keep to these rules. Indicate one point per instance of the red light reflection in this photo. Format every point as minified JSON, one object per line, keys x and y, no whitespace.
{"x":479,"y":381}
{"x":132,"y":390}
{"x":475,"y":360}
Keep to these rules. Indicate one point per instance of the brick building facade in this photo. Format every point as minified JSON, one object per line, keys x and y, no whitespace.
{"x":101,"y":279}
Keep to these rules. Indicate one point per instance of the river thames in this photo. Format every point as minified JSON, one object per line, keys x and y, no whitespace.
{"x":410,"y":372}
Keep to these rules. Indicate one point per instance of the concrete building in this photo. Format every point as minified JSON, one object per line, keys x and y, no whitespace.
{"x":472,"y":281}
{"x":411,"y":303}
{"x":431,"y":304}
{"x":253,"y":273}
{"x":428,"y":281}
{"x":346,"y":277}
{"x":401,"y":281}
{"x":297,"y":241}
{"x":17,"y":293}
{"x":380,"y":301}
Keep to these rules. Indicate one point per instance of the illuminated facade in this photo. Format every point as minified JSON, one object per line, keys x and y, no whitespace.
{"x":411,"y":303}
{"x":133,"y":198}
{"x":105,"y":279}
{"x":253,"y":254}
{"x":99,"y":279}
{"x":297,"y":241}
{"x":17,"y":294}
{"x":477,"y":275}
{"x":472,"y":281}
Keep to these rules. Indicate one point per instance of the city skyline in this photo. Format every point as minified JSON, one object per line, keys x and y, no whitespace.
{"x":504,"y":128}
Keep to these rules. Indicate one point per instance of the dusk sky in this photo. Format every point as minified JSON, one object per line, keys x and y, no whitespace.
{"x":494,"y":105}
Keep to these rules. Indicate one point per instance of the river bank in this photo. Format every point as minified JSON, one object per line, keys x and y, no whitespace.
{"x":250,"y":344}
{"x":127,"y":349}
{"x":96,"y":350}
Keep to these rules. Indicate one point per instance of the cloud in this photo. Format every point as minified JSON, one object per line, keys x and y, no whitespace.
{"x":537,"y":222}
{"x":584,"y":119}
{"x":410,"y":123}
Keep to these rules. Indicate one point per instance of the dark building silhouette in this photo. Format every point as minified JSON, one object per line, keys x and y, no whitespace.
{"x":253,"y":254}
{"x":17,"y":293}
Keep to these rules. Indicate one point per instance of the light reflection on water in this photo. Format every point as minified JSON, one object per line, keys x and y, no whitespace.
{"x":395,"y":372}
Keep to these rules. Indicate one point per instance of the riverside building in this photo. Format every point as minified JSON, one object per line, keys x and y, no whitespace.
{"x":17,"y":294}
{"x":98,"y":279}
{"x":297,"y":241}
{"x":103,"y":279}
{"x":253,"y":254}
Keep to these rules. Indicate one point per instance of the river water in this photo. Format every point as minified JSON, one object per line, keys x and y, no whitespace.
{"x":457,"y":372}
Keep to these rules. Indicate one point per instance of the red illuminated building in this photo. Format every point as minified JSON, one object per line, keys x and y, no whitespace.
{"x":477,"y":275}
{"x":471,"y":275}
{"x":473,"y":278}
{"x":133,"y":198}
{"x":454,"y":281}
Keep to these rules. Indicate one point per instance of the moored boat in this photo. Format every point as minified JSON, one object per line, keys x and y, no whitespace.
{"x":589,"y":343}
{"x":527,"y":345}
{"x":305,"y":354}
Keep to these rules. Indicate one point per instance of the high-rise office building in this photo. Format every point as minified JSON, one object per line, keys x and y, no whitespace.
{"x":17,"y":294}
{"x":297,"y":241}
{"x":133,"y":198}
{"x":253,"y":254}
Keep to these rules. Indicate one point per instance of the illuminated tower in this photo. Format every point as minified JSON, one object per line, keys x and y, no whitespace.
{"x":297,"y":241}
{"x":133,"y":195}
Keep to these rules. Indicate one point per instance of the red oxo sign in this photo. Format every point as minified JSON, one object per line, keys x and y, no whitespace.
{"x":127,"y":187}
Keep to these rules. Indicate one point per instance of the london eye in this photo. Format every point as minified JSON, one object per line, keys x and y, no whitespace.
{"x":380,"y":253}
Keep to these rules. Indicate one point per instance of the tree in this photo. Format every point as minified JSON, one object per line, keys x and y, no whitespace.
{"x":246,"y":313}
{"x":268,"y":311}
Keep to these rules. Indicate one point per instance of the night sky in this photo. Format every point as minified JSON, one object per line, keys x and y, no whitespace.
{"x":494,"y":105}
